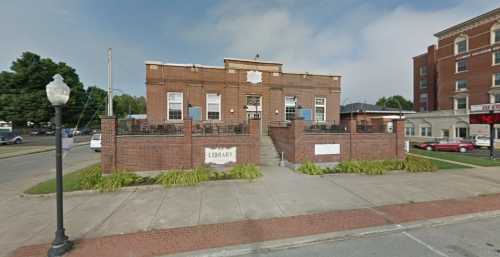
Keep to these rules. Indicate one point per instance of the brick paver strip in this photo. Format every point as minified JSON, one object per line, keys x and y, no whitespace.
{"x":176,"y":240}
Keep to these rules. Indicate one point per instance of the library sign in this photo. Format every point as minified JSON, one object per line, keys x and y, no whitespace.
{"x":220,"y":155}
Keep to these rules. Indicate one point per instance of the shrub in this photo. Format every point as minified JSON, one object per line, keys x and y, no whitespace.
{"x":91,"y":177}
{"x":183,"y":178}
{"x":310,"y":168}
{"x":417,"y":164}
{"x":116,"y":180}
{"x":245,"y":171}
{"x":219,"y":175}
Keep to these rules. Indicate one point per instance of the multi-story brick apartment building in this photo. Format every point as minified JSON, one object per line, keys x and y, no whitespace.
{"x":463,"y":69}
{"x":239,"y":90}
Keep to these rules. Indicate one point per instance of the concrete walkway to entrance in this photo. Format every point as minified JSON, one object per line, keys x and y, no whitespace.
{"x":280,"y":193}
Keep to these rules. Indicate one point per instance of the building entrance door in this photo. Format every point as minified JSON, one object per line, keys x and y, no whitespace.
{"x":254,"y":108}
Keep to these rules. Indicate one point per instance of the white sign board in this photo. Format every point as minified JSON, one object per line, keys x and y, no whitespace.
{"x":220,"y":155}
{"x":322,"y":149}
{"x":485,"y":107}
{"x":254,"y":77}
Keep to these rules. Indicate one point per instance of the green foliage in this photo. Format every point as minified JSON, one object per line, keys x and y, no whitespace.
{"x":365,"y":167}
{"x":417,"y":164}
{"x":115,"y":181}
{"x":126,"y":104}
{"x":183,"y":178}
{"x":91,"y":177}
{"x":377,"y":167}
{"x":310,"y":168}
{"x":245,"y":171}
{"x":23,"y":95}
{"x":395,"y":101}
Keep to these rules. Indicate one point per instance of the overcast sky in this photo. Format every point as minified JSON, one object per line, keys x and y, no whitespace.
{"x":369,"y":43}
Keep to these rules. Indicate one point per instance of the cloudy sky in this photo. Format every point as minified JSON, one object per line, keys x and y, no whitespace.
{"x":370,"y":43}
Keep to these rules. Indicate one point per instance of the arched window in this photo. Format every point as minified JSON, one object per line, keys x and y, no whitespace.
{"x":495,"y":33}
{"x":461,"y":44}
{"x":409,"y":129}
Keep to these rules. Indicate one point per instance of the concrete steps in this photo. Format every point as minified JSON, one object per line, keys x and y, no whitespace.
{"x":268,"y":154}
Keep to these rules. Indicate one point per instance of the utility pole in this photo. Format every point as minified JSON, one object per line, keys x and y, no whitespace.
{"x":110,"y":85}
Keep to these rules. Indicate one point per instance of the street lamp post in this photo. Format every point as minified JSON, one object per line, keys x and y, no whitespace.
{"x":58,"y":95}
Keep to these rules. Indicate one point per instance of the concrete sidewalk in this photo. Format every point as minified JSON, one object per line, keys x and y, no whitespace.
{"x":280,"y":193}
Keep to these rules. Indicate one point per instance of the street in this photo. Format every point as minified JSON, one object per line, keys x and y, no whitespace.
{"x":20,"y":172}
{"x":480,"y":238}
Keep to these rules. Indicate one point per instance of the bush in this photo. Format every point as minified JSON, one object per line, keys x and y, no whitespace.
{"x":183,"y":178}
{"x":91,"y":177}
{"x":310,"y":168}
{"x":366,"y":167}
{"x":116,"y":180}
{"x":417,"y":164}
{"x":245,"y":171}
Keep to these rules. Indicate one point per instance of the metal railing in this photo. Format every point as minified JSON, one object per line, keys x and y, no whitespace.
{"x":162,"y":129}
{"x":326,"y":128}
{"x":206,"y":129}
{"x":371,"y":129}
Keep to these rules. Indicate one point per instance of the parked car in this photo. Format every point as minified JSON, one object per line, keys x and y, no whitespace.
{"x":481,"y":141}
{"x":95,"y":142}
{"x":448,"y":145}
{"x":10,"y":138}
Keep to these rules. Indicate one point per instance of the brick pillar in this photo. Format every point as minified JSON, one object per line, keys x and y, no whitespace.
{"x":399,"y":133}
{"x":254,"y":130}
{"x":298,"y":126}
{"x":352,"y":123}
{"x":188,"y":141}
{"x":108,"y":143}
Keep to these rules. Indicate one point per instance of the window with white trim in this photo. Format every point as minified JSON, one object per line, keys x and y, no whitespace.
{"x":213,"y":106}
{"x":496,"y":79}
{"x":461,"y":85}
{"x":460,"y":103}
{"x":496,"y":58}
{"x":423,"y":71}
{"x":320,"y":109}
{"x":461,"y":65}
{"x":461,"y":45}
{"x":426,"y":131}
{"x":461,"y":132}
{"x":290,"y":102}
{"x":495,"y":34}
{"x":423,"y":84}
{"x":410,"y":131}
{"x":174,"y":105}
{"x":496,"y":99}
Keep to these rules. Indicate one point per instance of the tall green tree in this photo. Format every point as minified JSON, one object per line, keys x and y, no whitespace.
{"x":126,"y":104}
{"x":22,"y":91}
{"x":395,"y":101}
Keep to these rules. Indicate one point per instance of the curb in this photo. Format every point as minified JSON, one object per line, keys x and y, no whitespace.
{"x":130,"y":189}
{"x":291,"y":243}
{"x":52,"y":148}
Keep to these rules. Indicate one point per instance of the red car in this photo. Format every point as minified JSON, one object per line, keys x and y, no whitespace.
{"x":452,"y":146}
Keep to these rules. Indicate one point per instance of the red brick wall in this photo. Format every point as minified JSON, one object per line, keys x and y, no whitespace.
{"x":299,"y":147}
{"x":231,"y":84}
{"x":163,"y":152}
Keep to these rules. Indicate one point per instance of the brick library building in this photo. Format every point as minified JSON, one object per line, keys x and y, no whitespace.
{"x":238,"y":91}
{"x":463,"y":69}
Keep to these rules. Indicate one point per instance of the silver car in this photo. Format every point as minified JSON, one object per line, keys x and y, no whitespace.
{"x":10,"y":138}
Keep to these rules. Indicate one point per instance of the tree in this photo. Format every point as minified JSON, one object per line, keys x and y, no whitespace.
{"x":23,"y":95}
{"x":126,"y":104}
{"x":395,"y":102}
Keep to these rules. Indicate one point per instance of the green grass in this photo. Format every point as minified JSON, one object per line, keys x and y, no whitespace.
{"x":459,"y":157}
{"x":91,"y":178}
{"x":71,"y":182}
{"x":446,"y":165}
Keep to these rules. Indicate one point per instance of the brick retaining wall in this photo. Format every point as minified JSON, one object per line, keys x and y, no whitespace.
{"x":298,"y":146}
{"x":162,"y":152}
